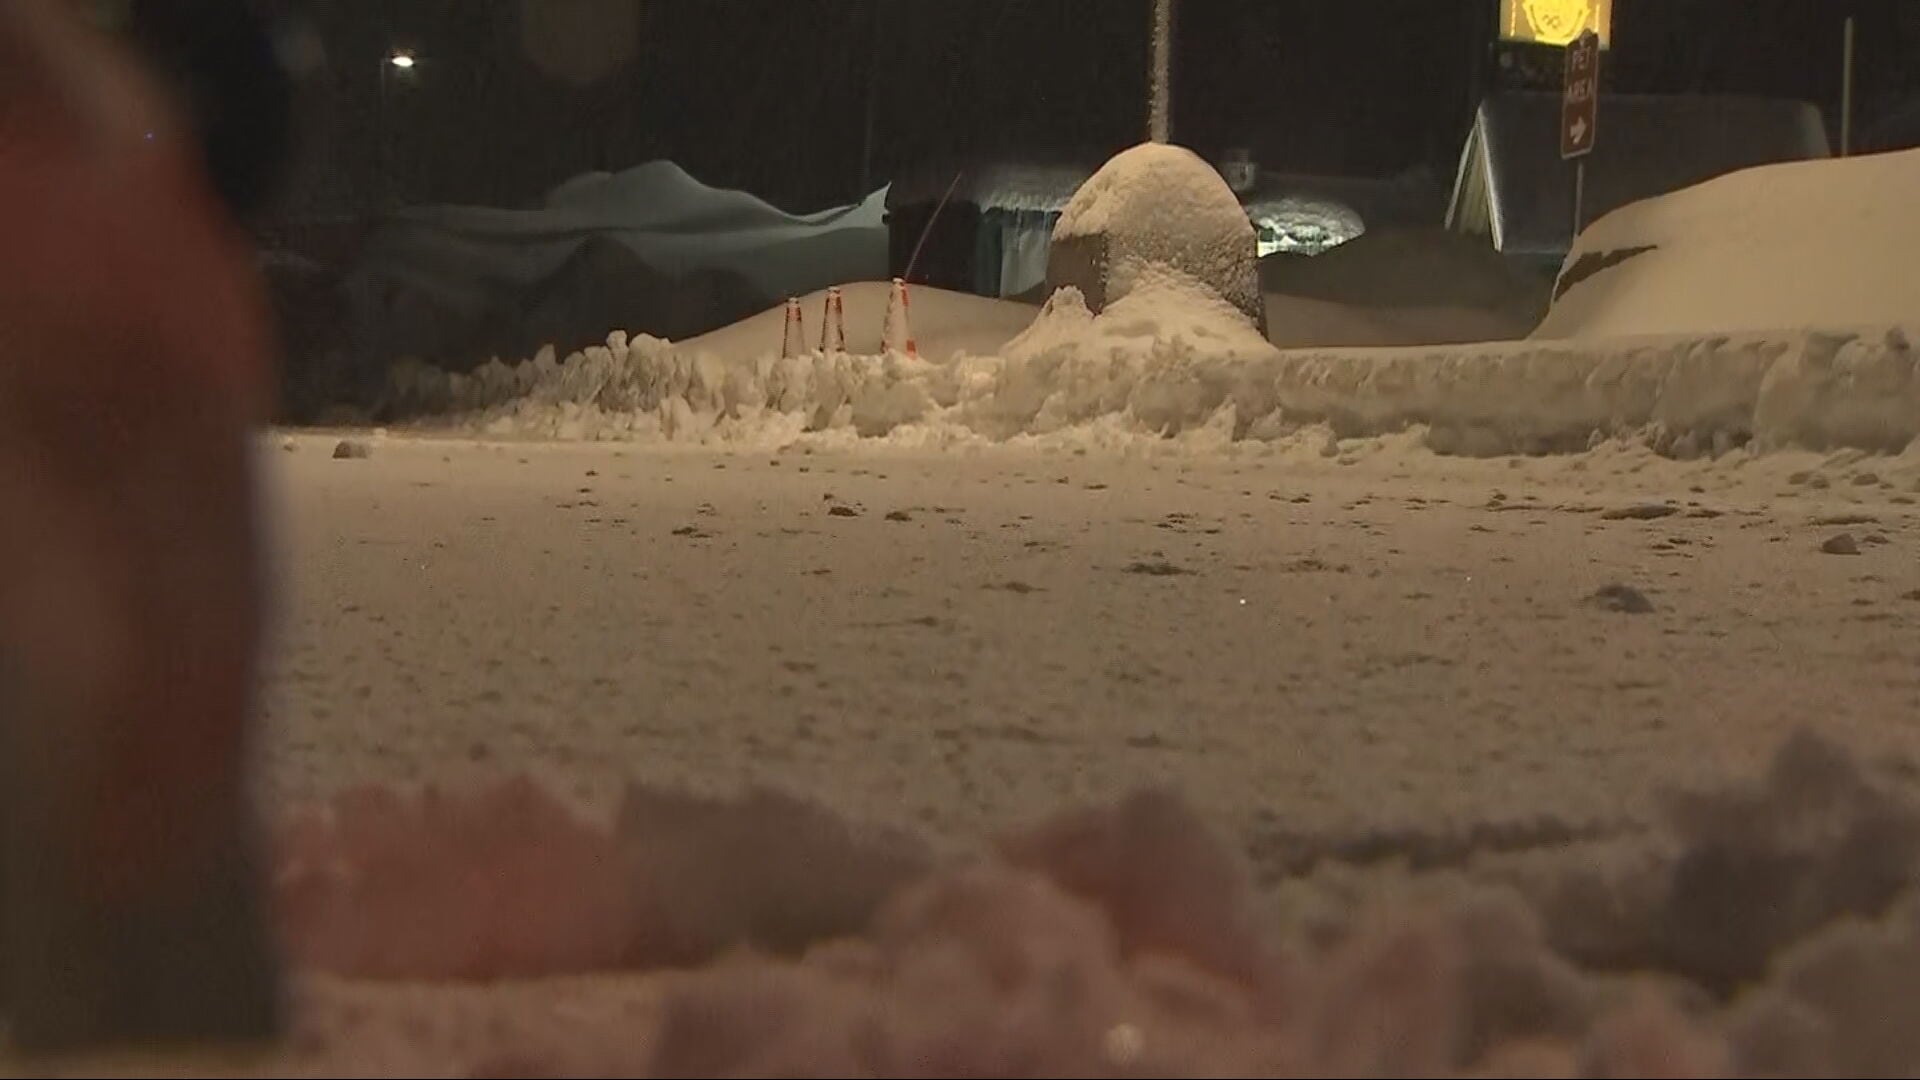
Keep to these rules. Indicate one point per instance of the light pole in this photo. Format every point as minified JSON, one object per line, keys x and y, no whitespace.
{"x":1846,"y":89}
{"x":398,"y":63}
{"x":873,"y":92}
{"x":1160,"y":80}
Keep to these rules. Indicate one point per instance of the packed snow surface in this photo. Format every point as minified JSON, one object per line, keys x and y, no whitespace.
{"x":1820,"y":245}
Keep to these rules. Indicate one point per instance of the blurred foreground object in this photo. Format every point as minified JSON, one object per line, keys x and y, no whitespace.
{"x":134,"y":364}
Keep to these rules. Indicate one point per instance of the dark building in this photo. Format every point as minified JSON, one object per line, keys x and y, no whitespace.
{"x":1514,"y":190}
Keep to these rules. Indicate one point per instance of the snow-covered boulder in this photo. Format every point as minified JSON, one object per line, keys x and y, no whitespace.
{"x":1153,"y":209}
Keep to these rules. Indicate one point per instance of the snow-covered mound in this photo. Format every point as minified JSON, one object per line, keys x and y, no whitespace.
{"x":657,"y":210}
{"x":1818,"y":244}
{"x":1150,"y":357}
{"x":663,"y":197}
{"x":1154,"y":191}
{"x":1151,"y":209}
{"x":463,"y":283}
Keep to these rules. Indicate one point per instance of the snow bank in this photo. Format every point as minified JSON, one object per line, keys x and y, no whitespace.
{"x":1126,"y":940}
{"x":1686,"y":396}
{"x":1170,"y":361}
{"x":1820,"y":244}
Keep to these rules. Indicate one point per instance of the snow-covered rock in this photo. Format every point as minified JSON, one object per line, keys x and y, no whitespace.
{"x":1151,"y":210}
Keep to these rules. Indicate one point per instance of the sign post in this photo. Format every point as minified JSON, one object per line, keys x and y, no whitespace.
{"x":1846,"y":90}
{"x":1580,"y":115}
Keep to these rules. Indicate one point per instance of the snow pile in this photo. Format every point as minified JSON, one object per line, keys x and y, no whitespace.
{"x":1127,"y":941}
{"x":1819,"y":244}
{"x":1152,"y":209}
{"x":1156,"y":190}
{"x":1684,"y":396}
{"x":1158,"y":362}
{"x":1171,"y":361}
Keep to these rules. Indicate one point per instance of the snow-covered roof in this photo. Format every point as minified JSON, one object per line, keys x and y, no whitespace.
{"x":1029,"y":186}
{"x":1513,"y":187}
{"x":991,"y":185}
{"x":666,"y":217}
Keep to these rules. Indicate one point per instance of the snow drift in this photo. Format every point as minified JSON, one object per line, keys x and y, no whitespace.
{"x":661,"y":213}
{"x":650,"y":247}
{"x":1819,"y":245}
{"x":1111,"y":941}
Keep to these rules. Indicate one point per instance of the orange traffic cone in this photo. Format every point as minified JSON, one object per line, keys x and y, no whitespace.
{"x":833,"y":322}
{"x":897,"y":334}
{"x":793,"y":339}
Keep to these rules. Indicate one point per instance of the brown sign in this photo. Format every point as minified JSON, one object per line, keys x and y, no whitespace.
{"x":1581,"y":112}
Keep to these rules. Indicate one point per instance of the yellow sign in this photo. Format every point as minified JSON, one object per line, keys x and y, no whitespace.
{"x":1556,"y":22}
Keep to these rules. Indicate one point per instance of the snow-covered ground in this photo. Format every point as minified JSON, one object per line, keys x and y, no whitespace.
{"x":1419,"y":713}
{"x":677,"y":606}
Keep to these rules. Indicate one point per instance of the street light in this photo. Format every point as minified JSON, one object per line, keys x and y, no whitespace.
{"x":401,"y":59}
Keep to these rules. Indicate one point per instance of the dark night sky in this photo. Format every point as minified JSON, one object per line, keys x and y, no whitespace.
{"x":771,"y":95}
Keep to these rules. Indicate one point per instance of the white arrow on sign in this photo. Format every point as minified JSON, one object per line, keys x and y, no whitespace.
{"x":1579,"y":131}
